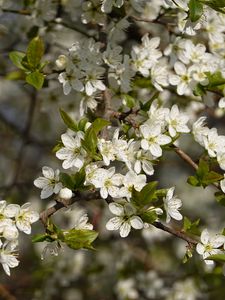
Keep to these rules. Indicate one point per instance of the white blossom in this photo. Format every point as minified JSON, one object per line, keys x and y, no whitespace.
{"x":177,"y":121}
{"x":108,"y":182}
{"x":72,"y":153}
{"x":132,"y":180}
{"x":213,"y":142}
{"x":25,"y":217}
{"x":49,"y":182}
{"x":153,"y":139}
{"x":124,"y":220}
{"x":209,"y":245}
{"x":8,"y":255}
{"x":172,"y":204}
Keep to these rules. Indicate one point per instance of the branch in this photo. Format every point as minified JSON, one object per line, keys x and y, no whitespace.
{"x":176,"y":233}
{"x":47,"y":213}
{"x":186,"y":158}
{"x":18,"y":12}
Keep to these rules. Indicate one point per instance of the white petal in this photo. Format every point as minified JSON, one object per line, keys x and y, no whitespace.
{"x":46,"y":192}
{"x":68,"y":141}
{"x":116,"y":208}
{"x":136,"y":222}
{"x":23,"y":226}
{"x":41,"y":182}
{"x":200,"y":248}
{"x":155,"y":150}
{"x":125,"y":229}
{"x":11,"y":210}
{"x":114,"y":223}
{"x":205,"y":236}
{"x":217,"y":241}
{"x":180,"y":68}
{"x":48,"y":172}
{"x":10,"y":233}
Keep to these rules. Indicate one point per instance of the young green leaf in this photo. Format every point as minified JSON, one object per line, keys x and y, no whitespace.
{"x":68,"y":121}
{"x":145,"y":196}
{"x":149,"y":216}
{"x":220,"y":198}
{"x":67,"y":180}
{"x":195,"y":10}
{"x":35,"y":51}
{"x":80,"y":239}
{"x":16,"y":57}
{"x":217,"y":258}
{"x":42,"y":238}
{"x":36,"y":79}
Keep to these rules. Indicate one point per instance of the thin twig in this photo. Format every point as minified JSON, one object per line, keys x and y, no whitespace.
{"x":186,"y":157}
{"x":175,"y":232}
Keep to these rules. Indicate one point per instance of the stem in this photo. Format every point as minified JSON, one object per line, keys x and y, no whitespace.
{"x":176,"y":233}
{"x":186,"y":157}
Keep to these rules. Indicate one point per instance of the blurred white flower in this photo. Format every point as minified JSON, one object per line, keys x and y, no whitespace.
{"x":8,"y":255}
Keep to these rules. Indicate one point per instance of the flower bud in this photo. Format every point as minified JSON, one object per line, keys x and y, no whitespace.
{"x":61,"y":62}
{"x":65,"y":193}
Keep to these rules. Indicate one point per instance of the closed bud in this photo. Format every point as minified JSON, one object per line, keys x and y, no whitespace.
{"x":65,"y":194}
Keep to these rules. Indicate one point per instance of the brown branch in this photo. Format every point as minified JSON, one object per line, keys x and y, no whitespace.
{"x":175,"y":232}
{"x":47,"y":213}
{"x":44,"y":215}
{"x":186,"y":157}
{"x":18,"y":12}
{"x":189,"y":160}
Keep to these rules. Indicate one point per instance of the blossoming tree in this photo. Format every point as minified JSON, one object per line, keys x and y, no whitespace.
{"x":135,"y":83}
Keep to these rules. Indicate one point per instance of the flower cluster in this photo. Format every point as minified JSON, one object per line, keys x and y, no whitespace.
{"x":13,"y":219}
{"x":212,"y":142}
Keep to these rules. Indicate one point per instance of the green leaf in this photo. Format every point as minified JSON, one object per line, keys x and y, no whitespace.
{"x":35,"y":51}
{"x":90,"y":139}
{"x":220,"y":198}
{"x":193,"y":180}
{"x":145,"y":196}
{"x":212,"y":177}
{"x":16,"y":57}
{"x":57,"y":147}
{"x":82,"y":123}
{"x":36,"y":79}
{"x":67,"y":180}
{"x":187,"y":256}
{"x":199,"y":90}
{"x":191,"y":227}
{"x":146,"y":106}
{"x":99,"y":124}
{"x":215,"y":79}
{"x":15,"y":75}
{"x":78,"y":179}
{"x":195,"y":10}
{"x":204,"y":176}
{"x":203,"y":169}
{"x":42,"y":238}
{"x":128,"y":101}
{"x":68,"y":121}
{"x":149,"y":216}
{"x":161,"y":193}
{"x":217,"y":258}
{"x":80,"y":239}
{"x":217,"y":5}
